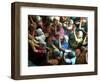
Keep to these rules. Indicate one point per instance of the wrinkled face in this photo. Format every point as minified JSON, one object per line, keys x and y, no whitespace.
{"x":79,"y":34}
{"x":49,"y":28}
{"x":56,"y":22}
{"x":78,"y":52}
{"x":57,"y":36}
{"x":62,"y":38}
{"x":49,"y":40}
{"x":40,"y":23}
{"x":63,"y":18}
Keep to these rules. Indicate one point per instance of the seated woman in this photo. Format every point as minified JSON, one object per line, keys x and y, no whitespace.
{"x":63,"y":43}
{"x":36,"y":51}
{"x":56,"y":46}
{"x":68,"y":54}
{"x":53,"y":52}
{"x":40,"y":36}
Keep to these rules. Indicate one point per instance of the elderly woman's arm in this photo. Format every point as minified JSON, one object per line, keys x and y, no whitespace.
{"x":31,"y":38}
{"x":75,"y":34}
{"x":76,"y":38}
{"x":85,"y":40}
{"x":31,"y":19}
{"x":32,"y":44}
{"x":80,"y":24}
{"x":54,"y":47}
{"x":36,"y":48}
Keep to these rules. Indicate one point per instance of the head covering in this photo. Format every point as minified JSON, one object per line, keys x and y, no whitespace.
{"x":51,"y":18}
{"x":71,"y":21}
{"x":38,"y":18}
{"x":39,"y":31}
{"x":66,"y":37}
{"x":42,"y":42}
{"x":57,"y":18}
{"x":80,"y":34}
{"x":70,"y":27}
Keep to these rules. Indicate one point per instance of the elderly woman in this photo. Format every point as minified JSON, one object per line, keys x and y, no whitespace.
{"x":68,"y":54}
{"x":57,"y":25}
{"x":54,"y":57}
{"x":36,"y":51}
{"x":67,"y":24}
{"x":63,"y":43}
{"x":40,"y":36}
{"x":76,"y":39}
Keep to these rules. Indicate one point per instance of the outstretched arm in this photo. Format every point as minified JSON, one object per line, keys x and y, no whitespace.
{"x":31,"y":38}
{"x":32,"y":45}
{"x":75,"y":34}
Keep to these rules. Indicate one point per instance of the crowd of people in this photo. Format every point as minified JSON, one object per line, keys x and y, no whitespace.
{"x":57,"y":40}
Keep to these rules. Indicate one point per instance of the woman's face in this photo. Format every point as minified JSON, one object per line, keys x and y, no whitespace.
{"x":56,"y":22}
{"x":77,"y":34}
{"x":63,"y":18}
{"x":62,"y":38}
{"x":49,"y":40}
{"x":49,"y":29}
{"x":40,"y":23}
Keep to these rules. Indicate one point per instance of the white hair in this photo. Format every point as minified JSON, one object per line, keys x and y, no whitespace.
{"x":57,"y":18}
{"x":39,"y":31}
{"x":80,"y":34}
{"x":38,"y":18}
